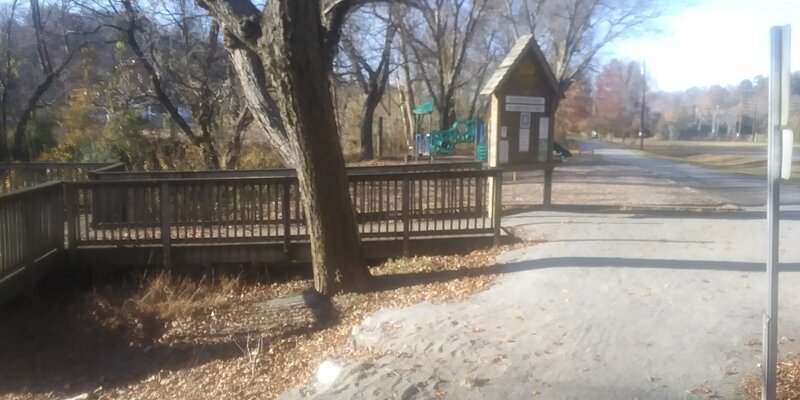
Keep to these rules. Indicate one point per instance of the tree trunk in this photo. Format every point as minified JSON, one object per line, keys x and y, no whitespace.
{"x":446,"y":113}
{"x":19,"y":149}
{"x":297,"y":115}
{"x":282,"y":55}
{"x":408,"y":121}
{"x":235,"y":146}
{"x":304,"y":96}
{"x":407,"y":95}
{"x":4,"y":153}
{"x":206,"y":142}
{"x":210,"y":154}
{"x":370,"y":104}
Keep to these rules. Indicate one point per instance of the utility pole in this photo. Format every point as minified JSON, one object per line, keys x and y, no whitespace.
{"x":755,"y":115}
{"x":778,"y":117}
{"x":714,"y":121}
{"x":739,"y":118}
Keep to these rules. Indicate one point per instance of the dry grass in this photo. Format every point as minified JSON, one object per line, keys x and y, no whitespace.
{"x":167,"y":296}
{"x":788,"y":381}
{"x":166,"y":336}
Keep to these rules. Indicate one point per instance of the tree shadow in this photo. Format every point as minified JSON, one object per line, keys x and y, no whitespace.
{"x":394,"y":281}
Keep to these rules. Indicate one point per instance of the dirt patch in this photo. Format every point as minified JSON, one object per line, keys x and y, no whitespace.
{"x":169,"y":337}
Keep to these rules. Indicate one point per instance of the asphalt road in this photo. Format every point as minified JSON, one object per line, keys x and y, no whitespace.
{"x":737,"y":189}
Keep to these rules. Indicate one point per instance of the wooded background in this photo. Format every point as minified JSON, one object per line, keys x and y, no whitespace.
{"x":149,"y":83}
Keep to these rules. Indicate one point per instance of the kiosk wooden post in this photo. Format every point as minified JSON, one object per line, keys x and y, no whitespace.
{"x":524,"y":98}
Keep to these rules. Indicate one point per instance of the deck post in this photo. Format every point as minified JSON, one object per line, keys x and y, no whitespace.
{"x":166,"y":223}
{"x":497,"y":204}
{"x":548,"y":186}
{"x":480,"y":197}
{"x":69,"y":205}
{"x":406,"y":213}
{"x":286,"y":220}
{"x":57,"y":222}
{"x":31,"y":217}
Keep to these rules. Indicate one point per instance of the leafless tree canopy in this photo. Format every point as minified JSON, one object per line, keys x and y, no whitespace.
{"x":158,"y":74}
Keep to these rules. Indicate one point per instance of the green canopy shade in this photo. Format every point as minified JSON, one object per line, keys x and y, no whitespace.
{"x":424,"y":108}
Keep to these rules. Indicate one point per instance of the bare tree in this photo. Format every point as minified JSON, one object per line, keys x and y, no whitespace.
{"x":371,"y":79}
{"x":572,"y":32}
{"x":283,"y":55}
{"x":439,"y":37}
{"x":406,"y":91}
{"x":178,"y":48}
{"x":51,"y":62}
{"x":483,"y":57}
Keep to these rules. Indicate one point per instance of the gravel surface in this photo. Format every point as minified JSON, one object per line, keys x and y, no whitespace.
{"x":637,"y":304}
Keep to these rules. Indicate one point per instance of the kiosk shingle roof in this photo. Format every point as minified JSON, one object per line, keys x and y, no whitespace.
{"x":516,"y":53}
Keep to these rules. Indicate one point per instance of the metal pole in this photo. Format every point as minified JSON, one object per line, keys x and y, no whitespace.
{"x":777,"y":117}
{"x":416,"y":140}
{"x":430,"y":137}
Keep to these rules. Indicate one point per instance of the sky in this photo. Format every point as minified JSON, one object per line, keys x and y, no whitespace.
{"x":713,"y":42}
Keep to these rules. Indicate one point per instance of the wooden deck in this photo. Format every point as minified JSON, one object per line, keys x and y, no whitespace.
{"x":128,"y":219}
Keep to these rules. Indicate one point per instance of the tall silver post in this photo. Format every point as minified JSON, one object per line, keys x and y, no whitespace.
{"x":777,"y":118}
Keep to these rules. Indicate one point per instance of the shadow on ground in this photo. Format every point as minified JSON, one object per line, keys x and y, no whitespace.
{"x":390,"y":282}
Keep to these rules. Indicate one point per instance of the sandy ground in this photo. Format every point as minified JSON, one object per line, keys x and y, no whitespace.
{"x":636,"y":304}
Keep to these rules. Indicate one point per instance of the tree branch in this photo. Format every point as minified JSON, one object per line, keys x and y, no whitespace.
{"x":158,"y":86}
{"x":335,"y":15}
{"x":240,"y":18}
{"x":261,"y":104}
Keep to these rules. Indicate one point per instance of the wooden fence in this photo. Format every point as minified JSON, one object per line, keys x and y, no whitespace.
{"x":267,"y":209}
{"x":31,"y":228}
{"x":15,"y":176}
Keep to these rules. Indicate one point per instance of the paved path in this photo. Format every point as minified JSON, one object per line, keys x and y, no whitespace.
{"x":737,"y":189}
{"x":620,"y":305}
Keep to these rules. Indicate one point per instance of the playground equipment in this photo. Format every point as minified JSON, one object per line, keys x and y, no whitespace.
{"x":443,"y":142}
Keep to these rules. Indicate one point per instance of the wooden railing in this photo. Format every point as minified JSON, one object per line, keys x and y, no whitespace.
{"x":31,"y":226}
{"x":116,"y":175}
{"x":16,"y":176}
{"x":267,"y":209}
{"x":113,"y":205}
